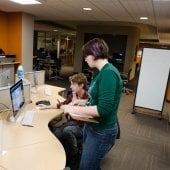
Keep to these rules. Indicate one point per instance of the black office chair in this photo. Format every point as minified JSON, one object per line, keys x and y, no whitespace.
{"x":55,"y":68}
{"x":125,"y":78}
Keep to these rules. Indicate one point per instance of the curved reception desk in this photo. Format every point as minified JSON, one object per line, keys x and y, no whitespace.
{"x":33,"y":148}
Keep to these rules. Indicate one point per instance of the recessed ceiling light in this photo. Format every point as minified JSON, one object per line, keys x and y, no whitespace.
{"x":26,"y":2}
{"x":87,"y":9}
{"x":143,"y":18}
{"x":55,"y":30}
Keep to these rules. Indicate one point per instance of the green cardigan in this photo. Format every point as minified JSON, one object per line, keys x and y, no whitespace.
{"x":105,"y":92}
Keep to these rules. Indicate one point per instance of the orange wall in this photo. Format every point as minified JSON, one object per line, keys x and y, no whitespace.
{"x":3,"y":31}
{"x":15,"y":34}
{"x":11,"y":33}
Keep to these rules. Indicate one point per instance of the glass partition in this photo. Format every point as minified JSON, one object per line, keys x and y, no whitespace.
{"x":62,"y":43}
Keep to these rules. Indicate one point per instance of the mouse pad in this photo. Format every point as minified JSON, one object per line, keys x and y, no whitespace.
{"x":45,"y":102}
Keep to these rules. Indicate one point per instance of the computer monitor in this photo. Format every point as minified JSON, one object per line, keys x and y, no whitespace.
{"x":17,"y":97}
{"x":118,"y":56}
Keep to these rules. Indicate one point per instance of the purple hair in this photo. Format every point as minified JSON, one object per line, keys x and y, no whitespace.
{"x":96,"y":47}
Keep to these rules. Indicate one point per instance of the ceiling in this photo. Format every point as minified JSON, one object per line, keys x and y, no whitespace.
{"x":69,"y":14}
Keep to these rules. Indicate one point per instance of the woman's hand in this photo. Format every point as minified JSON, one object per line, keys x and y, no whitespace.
{"x":79,"y":102}
{"x":67,"y":108}
{"x":74,"y":96}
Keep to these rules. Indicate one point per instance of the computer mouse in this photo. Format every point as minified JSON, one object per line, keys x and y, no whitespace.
{"x":45,"y":102}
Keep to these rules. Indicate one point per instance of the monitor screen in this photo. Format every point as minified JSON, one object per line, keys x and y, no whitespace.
{"x":17,"y":96}
{"x":118,"y":56}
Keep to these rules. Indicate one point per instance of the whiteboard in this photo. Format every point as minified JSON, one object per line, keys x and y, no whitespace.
{"x":153,"y":78}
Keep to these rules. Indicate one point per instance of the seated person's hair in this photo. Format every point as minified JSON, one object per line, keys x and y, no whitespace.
{"x":79,"y":79}
{"x":76,"y":78}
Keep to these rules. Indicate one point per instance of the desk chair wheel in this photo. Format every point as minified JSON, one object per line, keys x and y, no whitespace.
{"x":126,"y":90}
{"x":133,"y":111}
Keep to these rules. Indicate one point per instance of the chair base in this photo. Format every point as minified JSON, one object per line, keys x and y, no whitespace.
{"x":56,"y":78}
{"x":127,"y":91}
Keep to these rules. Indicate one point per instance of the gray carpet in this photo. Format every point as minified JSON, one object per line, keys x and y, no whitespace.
{"x":144,"y":143}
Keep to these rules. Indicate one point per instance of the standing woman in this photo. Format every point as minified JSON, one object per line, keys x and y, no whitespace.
{"x":105,"y":93}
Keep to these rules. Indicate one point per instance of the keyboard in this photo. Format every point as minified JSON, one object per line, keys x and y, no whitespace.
{"x":28,"y":118}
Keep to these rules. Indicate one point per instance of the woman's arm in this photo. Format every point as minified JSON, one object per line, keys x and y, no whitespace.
{"x":87,"y":110}
{"x":79,"y":102}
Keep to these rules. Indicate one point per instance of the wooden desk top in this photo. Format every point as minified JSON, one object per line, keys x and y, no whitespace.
{"x":34,"y":148}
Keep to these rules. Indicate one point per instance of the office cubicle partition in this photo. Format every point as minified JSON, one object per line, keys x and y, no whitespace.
{"x":153,"y":79}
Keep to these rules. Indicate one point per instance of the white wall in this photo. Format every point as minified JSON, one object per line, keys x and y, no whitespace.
{"x":27,"y":41}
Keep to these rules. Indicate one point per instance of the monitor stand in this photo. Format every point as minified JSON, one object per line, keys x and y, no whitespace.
{"x":15,"y":117}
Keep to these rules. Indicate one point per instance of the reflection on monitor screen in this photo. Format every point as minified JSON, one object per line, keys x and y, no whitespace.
{"x":17,"y":96}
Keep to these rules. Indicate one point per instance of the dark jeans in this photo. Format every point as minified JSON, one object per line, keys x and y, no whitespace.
{"x":96,"y":143}
{"x":70,"y":135}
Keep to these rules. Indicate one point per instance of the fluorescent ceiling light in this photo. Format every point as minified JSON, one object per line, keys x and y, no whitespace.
{"x":143,"y":18}
{"x":26,"y":2}
{"x":87,"y":9}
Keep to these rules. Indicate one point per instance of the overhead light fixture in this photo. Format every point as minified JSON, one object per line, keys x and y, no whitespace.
{"x":55,"y":30}
{"x":143,"y":18}
{"x":26,"y":2}
{"x":87,"y":9}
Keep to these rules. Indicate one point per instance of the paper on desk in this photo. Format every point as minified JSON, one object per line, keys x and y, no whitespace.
{"x":80,"y":115}
{"x":47,"y":91}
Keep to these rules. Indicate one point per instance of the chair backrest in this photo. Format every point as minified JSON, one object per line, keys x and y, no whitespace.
{"x":128,"y":75}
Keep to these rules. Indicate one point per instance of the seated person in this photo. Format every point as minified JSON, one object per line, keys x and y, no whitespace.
{"x":70,"y":133}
